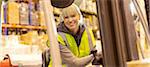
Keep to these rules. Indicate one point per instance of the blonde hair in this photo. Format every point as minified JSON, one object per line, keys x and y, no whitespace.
{"x":71,"y":9}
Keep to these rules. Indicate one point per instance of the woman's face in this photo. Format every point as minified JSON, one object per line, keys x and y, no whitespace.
{"x":71,"y":20}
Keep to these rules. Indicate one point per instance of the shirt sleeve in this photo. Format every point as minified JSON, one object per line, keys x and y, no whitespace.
{"x":73,"y":61}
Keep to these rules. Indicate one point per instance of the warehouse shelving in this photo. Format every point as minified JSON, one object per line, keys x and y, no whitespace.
{"x":22,"y":26}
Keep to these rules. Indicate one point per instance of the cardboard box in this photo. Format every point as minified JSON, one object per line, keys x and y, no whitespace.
{"x":42,"y":18}
{"x":13,"y":13}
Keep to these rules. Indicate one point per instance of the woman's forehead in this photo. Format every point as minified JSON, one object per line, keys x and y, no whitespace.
{"x":70,"y":11}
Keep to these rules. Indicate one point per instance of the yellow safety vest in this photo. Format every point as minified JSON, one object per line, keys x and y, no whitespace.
{"x":84,"y":47}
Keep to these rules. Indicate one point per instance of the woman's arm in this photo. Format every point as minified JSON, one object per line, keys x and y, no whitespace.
{"x":70,"y":59}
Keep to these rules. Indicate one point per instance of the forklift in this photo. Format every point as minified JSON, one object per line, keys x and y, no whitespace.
{"x":119,"y":38}
{"x":120,"y":42}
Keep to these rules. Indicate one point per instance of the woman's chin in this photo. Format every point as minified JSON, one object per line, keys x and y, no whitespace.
{"x":72,"y":28}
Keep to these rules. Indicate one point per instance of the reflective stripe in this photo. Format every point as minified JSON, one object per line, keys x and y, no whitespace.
{"x":64,"y":38}
{"x":67,"y":44}
{"x":89,"y":39}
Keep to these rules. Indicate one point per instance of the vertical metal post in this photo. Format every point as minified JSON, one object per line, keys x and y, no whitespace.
{"x":116,"y":22}
{"x":144,"y":20}
{"x":51,"y":30}
{"x":1,"y":20}
{"x":0,"y":4}
{"x":128,"y":24}
{"x":149,"y":14}
{"x":147,"y":6}
{"x":112,"y":40}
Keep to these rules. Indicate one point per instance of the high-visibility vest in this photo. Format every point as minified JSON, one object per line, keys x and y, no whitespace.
{"x":86,"y":45}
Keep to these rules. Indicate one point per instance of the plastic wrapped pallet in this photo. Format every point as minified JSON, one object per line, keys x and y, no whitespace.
{"x":33,"y":15}
{"x":83,"y":5}
{"x":13,"y":13}
{"x":34,"y":18}
{"x":24,"y":14}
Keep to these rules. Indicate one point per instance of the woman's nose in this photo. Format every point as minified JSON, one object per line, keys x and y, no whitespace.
{"x":70,"y":19}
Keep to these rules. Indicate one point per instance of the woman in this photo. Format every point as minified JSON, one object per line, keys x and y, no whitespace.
{"x":75,"y":39}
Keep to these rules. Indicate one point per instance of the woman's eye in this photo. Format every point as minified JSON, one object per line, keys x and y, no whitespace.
{"x":72,"y":15}
{"x":66,"y":17}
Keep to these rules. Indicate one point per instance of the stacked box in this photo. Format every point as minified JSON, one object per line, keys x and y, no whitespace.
{"x":31,"y":37}
{"x":42,"y":18}
{"x":95,"y":23}
{"x":13,"y":13}
{"x":24,"y":14}
{"x":34,"y":18}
